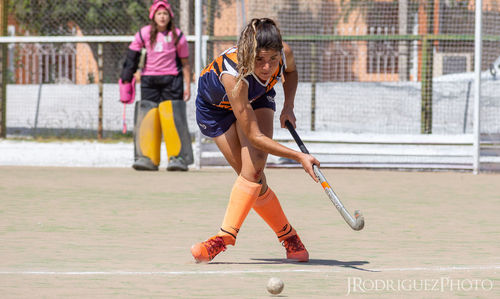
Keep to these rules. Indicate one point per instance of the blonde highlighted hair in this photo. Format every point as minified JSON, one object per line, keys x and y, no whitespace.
{"x":259,"y":34}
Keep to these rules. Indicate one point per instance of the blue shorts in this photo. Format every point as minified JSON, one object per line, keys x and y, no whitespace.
{"x":214,"y":121}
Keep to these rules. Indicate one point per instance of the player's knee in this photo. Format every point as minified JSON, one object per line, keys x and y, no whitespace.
{"x":254,"y":175}
{"x":251,"y":176}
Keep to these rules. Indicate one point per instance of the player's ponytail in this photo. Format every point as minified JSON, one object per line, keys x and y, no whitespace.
{"x":259,"y":34}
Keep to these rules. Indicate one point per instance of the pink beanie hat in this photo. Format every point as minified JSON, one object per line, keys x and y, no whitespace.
{"x":157,"y":4}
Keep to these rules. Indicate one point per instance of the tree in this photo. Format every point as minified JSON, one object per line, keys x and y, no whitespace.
{"x":90,"y":17}
{"x":59,"y":17}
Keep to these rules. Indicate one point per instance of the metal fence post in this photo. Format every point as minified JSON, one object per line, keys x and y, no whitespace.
{"x":313,"y":86}
{"x":478,"y":46}
{"x":100,"y":86}
{"x":197,"y":70}
{"x":3,"y":67}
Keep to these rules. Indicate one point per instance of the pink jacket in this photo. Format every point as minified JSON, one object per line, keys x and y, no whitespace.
{"x":161,"y":56}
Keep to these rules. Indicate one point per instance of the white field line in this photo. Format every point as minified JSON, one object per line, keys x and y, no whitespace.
{"x":226,"y":272}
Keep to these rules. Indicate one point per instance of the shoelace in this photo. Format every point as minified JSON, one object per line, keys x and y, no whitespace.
{"x":293,"y":244}
{"x":215,"y":245}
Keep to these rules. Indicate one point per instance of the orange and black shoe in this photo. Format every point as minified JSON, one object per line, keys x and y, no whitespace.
{"x":295,"y":250}
{"x":206,"y":251}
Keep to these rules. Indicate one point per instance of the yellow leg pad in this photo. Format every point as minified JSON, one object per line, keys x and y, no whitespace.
{"x":149,"y":137}
{"x":175,"y":129}
{"x":170,"y":134}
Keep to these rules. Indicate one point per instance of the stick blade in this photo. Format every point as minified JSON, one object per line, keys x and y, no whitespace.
{"x":360,"y":221}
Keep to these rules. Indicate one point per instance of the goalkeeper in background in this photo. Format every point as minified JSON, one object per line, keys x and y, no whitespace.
{"x":165,"y":87}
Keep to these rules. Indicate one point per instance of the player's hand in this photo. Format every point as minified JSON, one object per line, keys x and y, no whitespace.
{"x":187,"y":95}
{"x":307,"y":162}
{"x":287,"y":114}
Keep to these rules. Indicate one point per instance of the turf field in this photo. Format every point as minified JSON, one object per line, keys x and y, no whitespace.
{"x":118,"y":233}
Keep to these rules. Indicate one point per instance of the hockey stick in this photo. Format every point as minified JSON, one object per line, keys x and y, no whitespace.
{"x":357,"y":222}
{"x":124,"y":119}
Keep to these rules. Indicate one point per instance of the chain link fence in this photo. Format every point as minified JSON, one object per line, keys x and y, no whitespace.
{"x":74,"y":18}
{"x":365,"y":67}
{"x":87,"y":17}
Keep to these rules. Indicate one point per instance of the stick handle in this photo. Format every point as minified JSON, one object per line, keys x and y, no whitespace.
{"x":124,"y":119}
{"x":302,"y":147}
{"x":296,"y":137}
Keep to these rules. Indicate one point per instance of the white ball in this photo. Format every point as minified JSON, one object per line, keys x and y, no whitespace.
{"x":275,"y":285}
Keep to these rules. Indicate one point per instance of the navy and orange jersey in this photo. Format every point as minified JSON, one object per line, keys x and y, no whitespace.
{"x":211,"y":90}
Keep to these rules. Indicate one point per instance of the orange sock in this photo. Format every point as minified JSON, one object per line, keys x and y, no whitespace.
{"x":242,"y":198}
{"x":268,"y":207}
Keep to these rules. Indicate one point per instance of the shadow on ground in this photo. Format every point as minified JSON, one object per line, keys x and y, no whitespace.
{"x":312,"y":262}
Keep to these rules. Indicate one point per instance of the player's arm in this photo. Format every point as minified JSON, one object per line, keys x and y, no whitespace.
{"x":131,"y":62}
{"x":245,"y":115}
{"x":290,"y":82}
{"x":130,"y":65}
{"x":186,"y":73}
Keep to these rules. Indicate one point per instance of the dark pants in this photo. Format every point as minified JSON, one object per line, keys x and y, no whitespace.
{"x":162,"y":88}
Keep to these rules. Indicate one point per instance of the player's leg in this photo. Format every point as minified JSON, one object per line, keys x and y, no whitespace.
{"x":147,"y":131}
{"x":176,"y":134}
{"x":269,"y":208}
{"x":174,"y":123}
{"x":243,"y":195}
{"x":267,"y":204}
{"x":249,"y":163}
